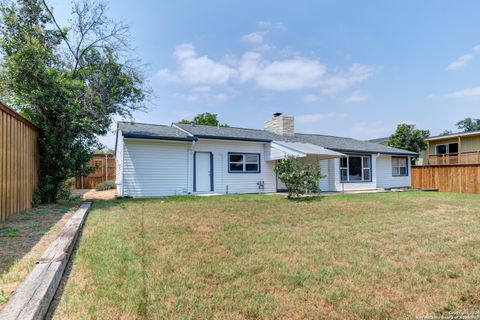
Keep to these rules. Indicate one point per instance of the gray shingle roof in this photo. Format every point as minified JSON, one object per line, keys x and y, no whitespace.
{"x":152,"y":131}
{"x":233,"y":133}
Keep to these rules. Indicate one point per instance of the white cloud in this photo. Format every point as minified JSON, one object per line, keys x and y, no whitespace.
{"x":316,"y":117}
{"x":254,"y":38}
{"x":221,"y":97}
{"x":269,"y":25}
{"x":281,"y":74}
{"x":470,"y":92}
{"x":291,"y":74}
{"x":201,"y":89}
{"x":464,"y":59}
{"x":186,"y":97}
{"x":367,"y":130}
{"x":194,"y":69}
{"x":343,"y":80}
{"x":311,"y":97}
{"x":356,"y":97}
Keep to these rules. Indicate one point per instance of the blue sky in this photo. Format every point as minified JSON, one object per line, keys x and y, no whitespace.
{"x":347,"y":68}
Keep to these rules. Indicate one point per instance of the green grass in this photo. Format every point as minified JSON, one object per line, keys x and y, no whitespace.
{"x":370,"y":256}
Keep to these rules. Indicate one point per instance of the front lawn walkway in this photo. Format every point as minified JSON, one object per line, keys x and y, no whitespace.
{"x":365,"y":256}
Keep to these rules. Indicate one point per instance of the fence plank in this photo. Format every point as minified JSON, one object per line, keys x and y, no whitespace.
{"x":105,"y":171}
{"x":18,"y":162}
{"x":448,"y":178}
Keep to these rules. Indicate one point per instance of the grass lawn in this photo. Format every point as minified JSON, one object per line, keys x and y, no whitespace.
{"x":364,"y":256}
{"x":23,"y":239}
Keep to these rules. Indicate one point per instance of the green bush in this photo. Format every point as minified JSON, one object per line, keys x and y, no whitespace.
{"x":107,"y":185}
{"x":299,"y":176}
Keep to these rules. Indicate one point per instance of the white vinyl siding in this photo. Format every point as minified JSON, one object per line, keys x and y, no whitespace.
{"x":350,"y":186}
{"x":226,"y":182}
{"x":155,"y":168}
{"x":385,"y":177}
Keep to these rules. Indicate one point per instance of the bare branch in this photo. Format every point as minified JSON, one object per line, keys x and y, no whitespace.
{"x":64,"y":36}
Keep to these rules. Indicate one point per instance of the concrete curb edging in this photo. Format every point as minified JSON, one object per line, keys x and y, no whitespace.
{"x":33,"y":297}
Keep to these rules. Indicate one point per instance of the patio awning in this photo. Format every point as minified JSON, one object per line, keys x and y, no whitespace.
{"x":280,"y":149}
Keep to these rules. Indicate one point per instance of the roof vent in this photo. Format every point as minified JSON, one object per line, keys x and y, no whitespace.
{"x":194,"y":123}
{"x":277,"y":114}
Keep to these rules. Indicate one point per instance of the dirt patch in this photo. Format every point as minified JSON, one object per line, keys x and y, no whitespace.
{"x":92,"y":194}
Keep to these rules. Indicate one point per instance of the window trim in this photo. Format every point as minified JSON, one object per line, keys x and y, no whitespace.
{"x":369,"y":156}
{"x":406,"y":168}
{"x":244,"y":163}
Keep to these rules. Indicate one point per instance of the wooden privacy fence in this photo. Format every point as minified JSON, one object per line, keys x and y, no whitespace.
{"x":18,"y":162}
{"x":104,"y":171}
{"x":450,"y":178}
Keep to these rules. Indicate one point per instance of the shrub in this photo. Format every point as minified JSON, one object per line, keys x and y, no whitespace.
{"x":299,"y":176}
{"x":107,"y":185}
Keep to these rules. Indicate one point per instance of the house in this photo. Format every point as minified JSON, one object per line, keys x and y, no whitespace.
{"x":452,"y":149}
{"x":159,"y":160}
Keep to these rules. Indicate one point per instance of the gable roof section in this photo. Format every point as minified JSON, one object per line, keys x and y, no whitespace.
{"x":153,"y":131}
{"x":329,"y":142}
{"x":454,"y":135}
{"x":147,"y":131}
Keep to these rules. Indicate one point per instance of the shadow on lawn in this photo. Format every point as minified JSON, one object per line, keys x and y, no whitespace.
{"x":308,"y":198}
{"x":20,"y":233}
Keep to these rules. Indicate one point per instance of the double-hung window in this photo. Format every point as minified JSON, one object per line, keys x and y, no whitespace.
{"x":399,"y":166}
{"x":355,"y":169}
{"x":244,"y":162}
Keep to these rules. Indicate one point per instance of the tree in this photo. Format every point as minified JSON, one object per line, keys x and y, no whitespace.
{"x":206,"y":118}
{"x":468,"y":124}
{"x":445,"y":132}
{"x":299,"y":176}
{"x":407,"y":137}
{"x":69,"y":81}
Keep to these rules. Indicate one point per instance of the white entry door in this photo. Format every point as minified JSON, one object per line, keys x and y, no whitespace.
{"x":203,"y":172}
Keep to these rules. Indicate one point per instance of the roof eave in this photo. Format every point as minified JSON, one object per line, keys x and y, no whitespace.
{"x":406,"y":153}
{"x":231,"y":138}
{"x":149,"y":137}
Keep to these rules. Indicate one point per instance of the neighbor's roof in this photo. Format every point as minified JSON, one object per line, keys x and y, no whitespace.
{"x":152,"y":131}
{"x":379,"y":140}
{"x":454,"y":135}
{"x":233,"y":133}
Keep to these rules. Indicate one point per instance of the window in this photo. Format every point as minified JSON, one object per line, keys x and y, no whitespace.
{"x":399,"y":166}
{"x":446,"y":148}
{"x":355,"y":169}
{"x":244,"y":162}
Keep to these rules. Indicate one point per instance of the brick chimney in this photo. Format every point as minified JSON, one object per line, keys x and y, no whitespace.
{"x":281,"y":124}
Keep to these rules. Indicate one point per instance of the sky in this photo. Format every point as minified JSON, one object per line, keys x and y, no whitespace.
{"x":345,"y":68}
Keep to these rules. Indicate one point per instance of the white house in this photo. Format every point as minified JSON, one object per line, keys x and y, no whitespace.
{"x":157,"y":160}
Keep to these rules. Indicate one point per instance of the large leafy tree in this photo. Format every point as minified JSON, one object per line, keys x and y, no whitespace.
{"x":69,"y":81}
{"x":206,"y":118}
{"x":468,"y":124}
{"x":408,"y":137}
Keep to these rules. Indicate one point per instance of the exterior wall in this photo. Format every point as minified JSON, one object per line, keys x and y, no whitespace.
{"x":350,"y":186}
{"x":225,"y":182}
{"x":432,"y":144}
{"x":385,"y":179}
{"x":153,"y":168}
{"x":470,"y":144}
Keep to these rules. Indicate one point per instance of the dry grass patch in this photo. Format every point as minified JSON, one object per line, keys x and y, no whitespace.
{"x":370,"y":256}
{"x":23,"y":239}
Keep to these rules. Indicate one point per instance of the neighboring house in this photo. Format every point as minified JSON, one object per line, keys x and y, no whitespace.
{"x":456,"y":148}
{"x":383,"y":140}
{"x":158,"y":160}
